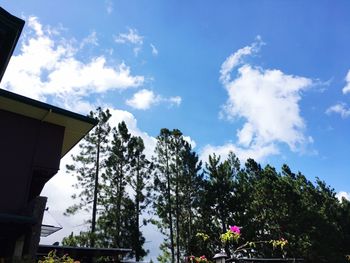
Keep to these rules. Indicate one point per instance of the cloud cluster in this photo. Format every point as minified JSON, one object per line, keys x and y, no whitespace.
{"x":48,"y":67}
{"x":144,"y":99}
{"x":267,"y":100}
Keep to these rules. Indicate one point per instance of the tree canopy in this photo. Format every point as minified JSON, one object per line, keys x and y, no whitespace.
{"x":192,"y":204}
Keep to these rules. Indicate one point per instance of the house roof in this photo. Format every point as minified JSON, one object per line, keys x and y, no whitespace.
{"x":76,"y":125}
{"x":10,"y":30}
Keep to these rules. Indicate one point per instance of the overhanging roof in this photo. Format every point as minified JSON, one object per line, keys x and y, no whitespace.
{"x":10,"y":30}
{"x":76,"y":125}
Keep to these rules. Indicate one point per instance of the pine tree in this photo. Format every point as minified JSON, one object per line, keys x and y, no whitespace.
{"x":127,"y":169}
{"x":191,"y":185}
{"x":86,"y":167}
{"x":163,"y":200}
{"x":176,"y":185}
{"x":115,"y":181}
{"x":139,"y":182}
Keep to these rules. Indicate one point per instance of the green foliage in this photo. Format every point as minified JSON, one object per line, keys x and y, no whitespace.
{"x":118,"y":163}
{"x":176,"y":191}
{"x":202,"y":236}
{"x":86,"y":168}
{"x":53,"y":258}
{"x":229,"y":237}
{"x":81,"y":240}
{"x":270,"y":206}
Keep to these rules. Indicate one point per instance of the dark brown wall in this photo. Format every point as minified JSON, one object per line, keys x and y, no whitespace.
{"x":30,"y":152}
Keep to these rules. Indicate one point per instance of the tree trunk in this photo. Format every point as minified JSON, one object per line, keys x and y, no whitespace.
{"x":170,"y":207}
{"x":137,"y":201}
{"x":177,"y":208}
{"x":94,"y":207}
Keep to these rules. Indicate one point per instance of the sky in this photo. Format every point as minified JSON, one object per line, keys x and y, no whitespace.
{"x":268,"y":80}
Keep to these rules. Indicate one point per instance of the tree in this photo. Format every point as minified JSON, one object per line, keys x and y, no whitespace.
{"x":87,"y":166}
{"x":176,"y":185}
{"x":191,"y":185}
{"x":127,"y":167}
{"x":138,"y":180}
{"x":163,"y":200}
{"x":115,"y":180}
{"x":218,"y":196}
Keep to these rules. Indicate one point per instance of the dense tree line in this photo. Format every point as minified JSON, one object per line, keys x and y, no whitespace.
{"x":193,"y":203}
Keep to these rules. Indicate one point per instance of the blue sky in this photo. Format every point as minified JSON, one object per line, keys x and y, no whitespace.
{"x":267,"y":79}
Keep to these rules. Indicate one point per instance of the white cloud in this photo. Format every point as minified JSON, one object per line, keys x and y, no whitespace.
{"x":236,"y":59}
{"x":174,"y":101}
{"x":340,"y":108}
{"x":145,"y":99}
{"x":131,"y":122}
{"x":346,"y":89}
{"x":48,"y":66}
{"x":342,"y":195}
{"x":258,"y":153}
{"x":190,"y":141}
{"x":268,"y":102}
{"x":154,"y":50}
{"x":90,"y":40}
{"x":131,"y":37}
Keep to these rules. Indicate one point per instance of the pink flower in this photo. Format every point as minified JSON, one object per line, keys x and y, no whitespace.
{"x":202,"y":257}
{"x":235,"y":229}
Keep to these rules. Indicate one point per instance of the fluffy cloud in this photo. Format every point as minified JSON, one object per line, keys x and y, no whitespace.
{"x":144,"y":99}
{"x":346,"y":89}
{"x":48,"y":66}
{"x":267,"y":100}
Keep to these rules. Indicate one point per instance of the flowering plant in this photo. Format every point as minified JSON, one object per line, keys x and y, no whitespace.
{"x":232,"y":235}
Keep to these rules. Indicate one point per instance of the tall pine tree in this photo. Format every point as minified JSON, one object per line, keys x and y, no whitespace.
{"x":139,"y":181}
{"x":86,"y":167}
